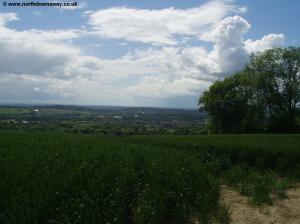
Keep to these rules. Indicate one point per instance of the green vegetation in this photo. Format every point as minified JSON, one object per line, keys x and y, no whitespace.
{"x":263,"y":97}
{"x":53,"y":174}
{"x":13,"y":111}
{"x":48,"y":178}
{"x":118,"y":121}
{"x":72,"y":178}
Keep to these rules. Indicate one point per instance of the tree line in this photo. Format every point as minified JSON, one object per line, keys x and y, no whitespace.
{"x":263,"y":97}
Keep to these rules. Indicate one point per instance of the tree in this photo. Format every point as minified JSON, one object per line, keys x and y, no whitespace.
{"x":264,"y":96}
{"x":230,"y":106}
{"x":277,"y":84}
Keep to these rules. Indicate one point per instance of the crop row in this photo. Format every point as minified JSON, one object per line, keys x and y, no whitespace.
{"x":51,"y":178}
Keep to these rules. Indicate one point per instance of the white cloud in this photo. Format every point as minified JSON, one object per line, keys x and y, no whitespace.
{"x":229,"y":51}
{"x":158,"y":26}
{"x":45,"y":66}
{"x":35,"y":52}
{"x":35,"y":58}
{"x":7,"y":17}
{"x":266,"y":42}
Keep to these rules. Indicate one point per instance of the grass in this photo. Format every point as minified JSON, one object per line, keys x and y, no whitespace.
{"x":14,"y":111}
{"x":68,"y":178}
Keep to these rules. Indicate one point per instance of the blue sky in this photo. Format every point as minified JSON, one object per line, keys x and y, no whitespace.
{"x":136,"y":53}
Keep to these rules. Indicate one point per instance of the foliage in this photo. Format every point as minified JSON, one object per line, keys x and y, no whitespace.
{"x":278,"y":152}
{"x":52,"y":178}
{"x":227,"y":103}
{"x":264,"y":96}
{"x":72,"y":178}
{"x":257,"y":165}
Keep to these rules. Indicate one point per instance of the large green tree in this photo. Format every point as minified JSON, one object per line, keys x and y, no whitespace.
{"x":277,"y":84}
{"x":230,"y":106}
{"x":264,"y":96}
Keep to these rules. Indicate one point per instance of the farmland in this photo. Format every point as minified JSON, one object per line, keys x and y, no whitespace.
{"x":13,"y":111}
{"x":53,"y":177}
{"x":101,"y":120}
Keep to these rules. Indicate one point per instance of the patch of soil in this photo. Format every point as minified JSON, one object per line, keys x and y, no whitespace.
{"x":283,"y":211}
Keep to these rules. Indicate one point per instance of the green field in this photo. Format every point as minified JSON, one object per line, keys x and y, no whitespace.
{"x":68,"y":178}
{"x":14,"y":111}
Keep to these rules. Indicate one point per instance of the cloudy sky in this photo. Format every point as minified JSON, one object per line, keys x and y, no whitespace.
{"x":135,"y":53}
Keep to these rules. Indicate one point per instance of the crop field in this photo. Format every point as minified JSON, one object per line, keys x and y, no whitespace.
{"x":73,"y":178}
{"x":13,"y":111}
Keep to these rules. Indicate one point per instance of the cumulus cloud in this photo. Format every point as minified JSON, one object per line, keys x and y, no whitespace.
{"x":158,"y":26}
{"x":229,"y":51}
{"x":266,"y":42}
{"x":45,"y":66}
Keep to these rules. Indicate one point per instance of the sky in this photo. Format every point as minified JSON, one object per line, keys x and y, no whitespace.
{"x":134,"y":53}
